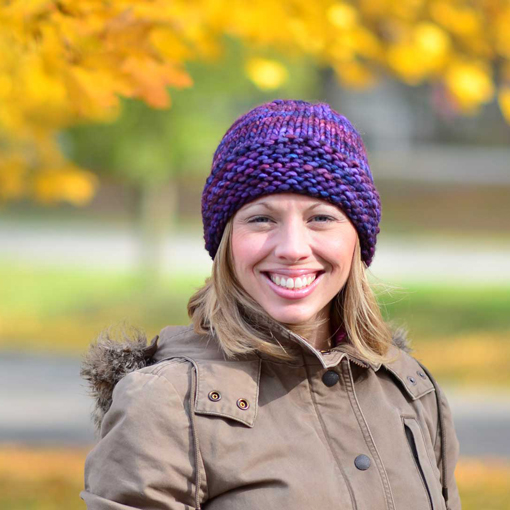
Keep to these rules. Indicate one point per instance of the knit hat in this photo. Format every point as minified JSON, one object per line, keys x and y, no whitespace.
{"x":292,"y":146}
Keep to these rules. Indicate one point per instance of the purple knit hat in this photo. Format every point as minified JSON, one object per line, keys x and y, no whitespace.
{"x":292,"y":146}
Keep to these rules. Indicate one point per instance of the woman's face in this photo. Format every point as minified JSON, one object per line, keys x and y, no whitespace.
{"x":292,"y":254}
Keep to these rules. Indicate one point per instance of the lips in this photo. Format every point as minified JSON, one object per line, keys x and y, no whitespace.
{"x":294,"y":274}
{"x":294,"y":293}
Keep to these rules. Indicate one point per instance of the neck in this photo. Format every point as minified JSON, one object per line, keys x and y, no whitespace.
{"x":321,"y":339}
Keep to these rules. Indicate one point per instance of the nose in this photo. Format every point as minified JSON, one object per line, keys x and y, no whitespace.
{"x":292,"y":242}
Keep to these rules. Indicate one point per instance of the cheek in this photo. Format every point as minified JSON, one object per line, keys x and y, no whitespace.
{"x":337,"y":249}
{"x":240,"y":246}
{"x":246,"y":248}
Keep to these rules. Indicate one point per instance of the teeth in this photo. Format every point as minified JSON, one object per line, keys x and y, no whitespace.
{"x":293,"y":283}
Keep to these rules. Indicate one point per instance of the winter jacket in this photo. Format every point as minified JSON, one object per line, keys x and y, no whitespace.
{"x":182,"y":427}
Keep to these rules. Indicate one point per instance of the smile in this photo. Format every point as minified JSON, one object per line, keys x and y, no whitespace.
{"x":293,"y":288}
{"x":293,"y":283}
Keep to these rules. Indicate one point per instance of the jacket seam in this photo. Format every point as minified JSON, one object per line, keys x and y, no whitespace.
{"x":189,"y":417}
{"x":178,"y":335}
{"x":160,"y":366}
{"x":257,"y":392}
{"x":367,"y":435}
{"x":425,"y":443}
{"x":422,"y":479}
{"x":438,"y":426}
{"x":442,"y":434}
{"x":433,"y":461}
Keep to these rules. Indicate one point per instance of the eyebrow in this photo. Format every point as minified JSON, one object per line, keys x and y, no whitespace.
{"x":271,"y":208}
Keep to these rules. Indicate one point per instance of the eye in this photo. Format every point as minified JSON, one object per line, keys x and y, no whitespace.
{"x":324,"y":218}
{"x":320,"y":218}
{"x":259,"y":219}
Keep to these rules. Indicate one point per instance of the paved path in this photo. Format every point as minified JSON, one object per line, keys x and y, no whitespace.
{"x":397,"y":259}
{"x":44,"y":401}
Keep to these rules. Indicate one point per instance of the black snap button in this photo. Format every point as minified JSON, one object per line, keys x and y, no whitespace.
{"x":421,"y":374}
{"x":214,"y":395}
{"x":362,"y":462}
{"x":411,"y":379}
{"x":330,"y":378}
{"x":243,"y":404}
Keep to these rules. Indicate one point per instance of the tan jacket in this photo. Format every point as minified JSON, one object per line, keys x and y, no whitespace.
{"x":192,"y":430}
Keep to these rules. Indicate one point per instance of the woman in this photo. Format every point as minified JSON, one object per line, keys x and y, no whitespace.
{"x":288,"y":389}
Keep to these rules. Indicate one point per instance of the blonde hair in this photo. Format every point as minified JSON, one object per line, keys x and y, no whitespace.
{"x":242,"y":326}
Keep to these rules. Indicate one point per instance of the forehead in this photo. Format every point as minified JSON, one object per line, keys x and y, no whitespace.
{"x":286,"y":200}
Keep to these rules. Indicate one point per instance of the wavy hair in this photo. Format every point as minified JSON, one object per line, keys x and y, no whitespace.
{"x":223,"y":308}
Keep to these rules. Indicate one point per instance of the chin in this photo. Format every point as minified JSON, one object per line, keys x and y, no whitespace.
{"x":290,"y":318}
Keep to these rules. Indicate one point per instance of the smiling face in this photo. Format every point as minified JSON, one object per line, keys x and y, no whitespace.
{"x":292,"y":254}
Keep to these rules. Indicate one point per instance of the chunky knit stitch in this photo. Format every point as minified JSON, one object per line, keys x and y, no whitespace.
{"x":292,"y":146}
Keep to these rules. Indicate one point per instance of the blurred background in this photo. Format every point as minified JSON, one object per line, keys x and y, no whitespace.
{"x":110,"y":113}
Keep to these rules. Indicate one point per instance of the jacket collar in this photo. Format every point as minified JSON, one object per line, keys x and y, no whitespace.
{"x":216,"y":376}
{"x":109,"y":360}
{"x":176,"y":340}
{"x":330,"y":358}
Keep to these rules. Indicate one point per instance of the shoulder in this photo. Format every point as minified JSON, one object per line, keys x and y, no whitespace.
{"x":143,"y":396}
{"x":189,"y":386}
{"x":434,"y":413}
{"x":413,"y":376}
{"x":169,"y":379}
{"x":146,"y":443}
{"x":114,"y":357}
{"x":172,"y":374}
{"x":405,"y":367}
{"x":177,"y":361}
{"x":214,"y":387}
{"x":419,"y":385}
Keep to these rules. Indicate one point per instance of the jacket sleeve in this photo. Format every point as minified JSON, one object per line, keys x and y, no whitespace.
{"x":144,"y":458}
{"x":446,"y":433}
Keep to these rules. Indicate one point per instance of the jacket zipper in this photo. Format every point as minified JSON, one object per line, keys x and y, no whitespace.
{"x":357,"y":362}
{"x":412,"y":445}
{"x":351,"y":358}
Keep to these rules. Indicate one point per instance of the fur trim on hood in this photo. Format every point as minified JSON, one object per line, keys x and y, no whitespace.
{"x":401,"y":341}
{"x":110,"y":358}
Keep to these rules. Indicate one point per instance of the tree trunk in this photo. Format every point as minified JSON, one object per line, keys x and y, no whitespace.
{"x":328,"y":85}
{"x":156,"y":213}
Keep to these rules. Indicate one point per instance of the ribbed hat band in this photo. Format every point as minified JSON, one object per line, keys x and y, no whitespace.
{"x":292,"y":146}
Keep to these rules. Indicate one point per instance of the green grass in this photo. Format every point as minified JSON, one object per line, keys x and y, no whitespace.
{"x":430,"y":311}
{"x":63,"y":309}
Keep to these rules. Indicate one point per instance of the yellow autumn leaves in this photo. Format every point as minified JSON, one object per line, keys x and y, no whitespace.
{"x":54,"y":477}
{"x":67,"y":62}
{"x":266,"y":74}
